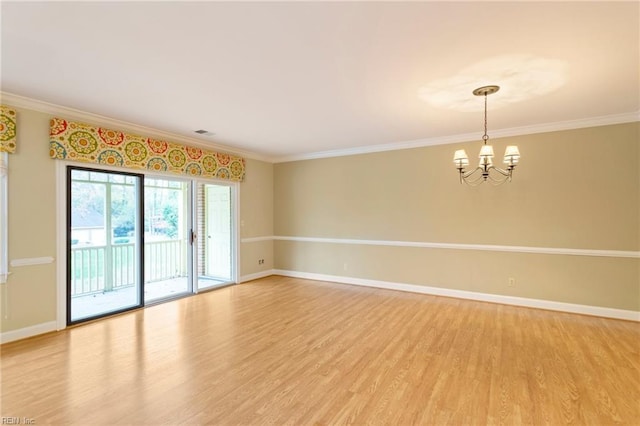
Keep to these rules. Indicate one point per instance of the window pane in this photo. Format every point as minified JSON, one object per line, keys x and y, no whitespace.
{"x":166,"y":243}
{"x":104,"y":251}
{"x":80,"y":175}
{"x":117,"y":178}
{"x":98,"y":177}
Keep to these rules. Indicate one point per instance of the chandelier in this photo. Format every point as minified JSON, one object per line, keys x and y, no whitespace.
{"x":486,"y":171}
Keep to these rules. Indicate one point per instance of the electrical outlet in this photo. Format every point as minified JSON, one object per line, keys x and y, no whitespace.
{"x":512,"y":282}
{"x":260,"y":261}
{"x":345,"y":266}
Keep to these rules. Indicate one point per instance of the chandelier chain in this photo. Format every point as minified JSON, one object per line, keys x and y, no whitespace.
{"x":485,"y":137}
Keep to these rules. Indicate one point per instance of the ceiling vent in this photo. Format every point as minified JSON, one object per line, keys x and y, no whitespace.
{"x":204,"y":132}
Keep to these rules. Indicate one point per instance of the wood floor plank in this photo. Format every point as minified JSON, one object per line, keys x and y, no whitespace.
{"x":294,"y":352}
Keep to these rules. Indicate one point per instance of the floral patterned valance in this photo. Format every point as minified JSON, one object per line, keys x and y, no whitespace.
{"x":81,"y":142}
{"x":7,"y":129}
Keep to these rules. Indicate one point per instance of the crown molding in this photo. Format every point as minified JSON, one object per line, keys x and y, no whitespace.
{"x":91,"y":118}
{"x":101,"y":120}
{"x":467,"y":137}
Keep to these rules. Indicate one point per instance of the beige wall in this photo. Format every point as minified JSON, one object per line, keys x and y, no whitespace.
{"x":29,"y":297}
{"x":575,"y":189}
{"x":256,"y":211}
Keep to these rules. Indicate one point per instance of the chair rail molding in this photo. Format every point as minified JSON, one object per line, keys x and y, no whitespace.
{"x":29,"y":261}
{"x":459,"y":246}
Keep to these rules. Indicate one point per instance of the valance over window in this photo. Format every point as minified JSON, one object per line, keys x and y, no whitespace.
{"x":81,"y":142}
{"x":7,"y":129}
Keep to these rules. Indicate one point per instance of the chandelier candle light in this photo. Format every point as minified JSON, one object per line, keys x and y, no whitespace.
{"x":486,"y":171}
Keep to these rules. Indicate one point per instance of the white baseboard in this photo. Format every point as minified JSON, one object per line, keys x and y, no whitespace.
{"x":257,"y":275}
{"x":23,"y":333}
{"x":470,"y":295}
{"x":34,"y":330}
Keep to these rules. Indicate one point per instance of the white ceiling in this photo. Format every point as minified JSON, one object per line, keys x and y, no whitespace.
{"x":284,"y":80}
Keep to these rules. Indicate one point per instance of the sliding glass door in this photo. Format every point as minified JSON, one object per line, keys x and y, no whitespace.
{"x":138,"y":239}
{"x":104,"y":240}
{"x":167,"y":232}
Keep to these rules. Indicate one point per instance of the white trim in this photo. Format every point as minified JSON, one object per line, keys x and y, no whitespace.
{"x":71,"y":113}
{"x":257,"y":275}
{"x":29,"y":261}
{"x":90,"y":118}
{"x":257,"y":239}
{"x":466,"y":137}
{"x":235,"y":190}
{"x":470,"y":295}
{"x":4,"y":217}
{"x":61,"y":246}
{"x":23,"y":333}
{"x":457,"y":246}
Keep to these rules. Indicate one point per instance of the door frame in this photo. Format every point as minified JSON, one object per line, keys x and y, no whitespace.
{"x":61,"y":228}
{"x":139,"y":240}
{"x":235,"y":232}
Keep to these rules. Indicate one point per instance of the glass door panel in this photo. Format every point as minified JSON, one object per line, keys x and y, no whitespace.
{"x":133,"y":240}
{"x":216,"y":242}
{"x":166,"y":238}
{"x":104,"y":243}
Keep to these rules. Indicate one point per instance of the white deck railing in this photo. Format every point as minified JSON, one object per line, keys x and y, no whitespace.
{"x":90,"y":274}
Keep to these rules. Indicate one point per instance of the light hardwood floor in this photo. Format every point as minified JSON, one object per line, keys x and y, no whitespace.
{"x":289,"y":351}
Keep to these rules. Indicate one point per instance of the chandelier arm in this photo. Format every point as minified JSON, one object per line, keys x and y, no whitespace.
{"x":505,"y":177}
{"x":475,"y":182}
{"x":501,"y":171}
{"x":469,"y":173}
{"x":496,"y":182}
{"x":499,"y":179}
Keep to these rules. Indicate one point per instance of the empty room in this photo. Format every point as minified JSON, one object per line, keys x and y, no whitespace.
{"x":301,"y":213}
